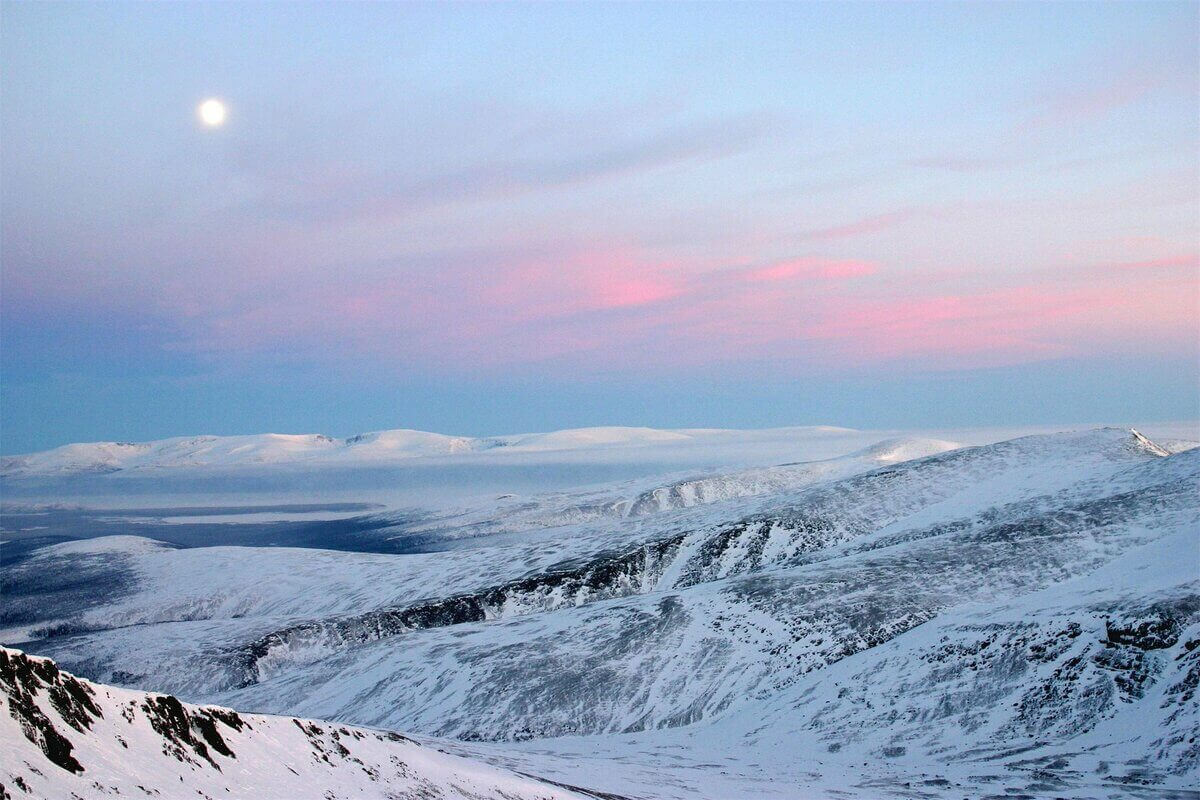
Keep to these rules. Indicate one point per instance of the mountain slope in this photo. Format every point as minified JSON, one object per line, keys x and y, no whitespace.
{"x":1018,"y":617}
{"x":1086,"y":689}
{"x":66,"y":737}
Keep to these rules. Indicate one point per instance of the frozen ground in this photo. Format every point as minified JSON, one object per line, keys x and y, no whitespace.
{"x":793,"y":613}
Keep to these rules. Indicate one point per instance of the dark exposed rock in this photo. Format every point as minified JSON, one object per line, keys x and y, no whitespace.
{"x":1156,"y":628}
{"x":1130,"y":670}
{"x":208,"y":731}
{"x":228,"y":717}
{"x":123,"y":678}
{"x":24,"y":679}
{"x":170,"y":720}
{"x":187,"y":732}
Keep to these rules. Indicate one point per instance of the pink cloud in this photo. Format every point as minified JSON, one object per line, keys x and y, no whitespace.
{"x":573,"y":283}
{"x":920,"y":323}
{"x":622,"y":293}
{"x":621,"y":308}
{"x":953,"y":325}
{"x":814,"y":269}
{"x":1008,"y":325}
{"x":1190,"y":261}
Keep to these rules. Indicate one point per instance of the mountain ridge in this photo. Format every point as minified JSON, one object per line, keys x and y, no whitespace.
{"x":401,"y":445}
{"x":66,"y":734}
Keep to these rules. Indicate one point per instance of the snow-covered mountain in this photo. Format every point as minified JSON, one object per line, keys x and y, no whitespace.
{"x":910,"y":618}
{"x":66,"y":737}
{"x":268,"y":450}
{"x":364,"y":448}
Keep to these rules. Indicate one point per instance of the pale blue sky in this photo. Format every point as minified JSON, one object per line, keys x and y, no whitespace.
{"x":486,"y":218}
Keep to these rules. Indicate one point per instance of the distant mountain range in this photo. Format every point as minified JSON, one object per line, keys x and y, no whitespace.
{"x":364,"y":448}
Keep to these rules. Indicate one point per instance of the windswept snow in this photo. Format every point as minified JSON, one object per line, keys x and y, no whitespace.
{"x":915,"y":616}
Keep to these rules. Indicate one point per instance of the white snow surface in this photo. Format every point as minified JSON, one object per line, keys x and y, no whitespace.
{"x":911,"y":615}
{"x":378,"y":446}
{"x":382,"y":447}
{"x":123,"y":743}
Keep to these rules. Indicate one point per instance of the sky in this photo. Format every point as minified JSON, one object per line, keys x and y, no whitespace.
{"x":494,"y":218}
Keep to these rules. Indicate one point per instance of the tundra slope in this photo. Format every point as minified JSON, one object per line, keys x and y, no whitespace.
{"x":648,"y":634}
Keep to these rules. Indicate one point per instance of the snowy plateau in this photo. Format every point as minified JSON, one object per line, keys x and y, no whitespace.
{"x":605,"y":613}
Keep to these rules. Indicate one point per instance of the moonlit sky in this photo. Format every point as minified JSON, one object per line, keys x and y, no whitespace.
{"x":496,"y":218}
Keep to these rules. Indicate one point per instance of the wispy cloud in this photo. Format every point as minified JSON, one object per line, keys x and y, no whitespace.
{"x":329,"y":191}
{"x":964,"y":163}
{"x":821,"y":269}
{"x":1188,"y":261}
{"x":1087,"y":102}
{"x":1107,"y":81}
{"x":859,"y":227}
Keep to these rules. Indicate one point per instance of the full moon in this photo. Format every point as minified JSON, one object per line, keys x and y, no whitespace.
{"x":212,"y":112}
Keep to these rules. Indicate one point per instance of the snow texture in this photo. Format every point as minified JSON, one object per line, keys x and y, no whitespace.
{"x":913,"y":618}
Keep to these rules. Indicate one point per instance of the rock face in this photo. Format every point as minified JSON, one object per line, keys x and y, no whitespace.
{"x":24,"y":680}
{"x":1154,"y":628}
{"x":65,"y":737}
